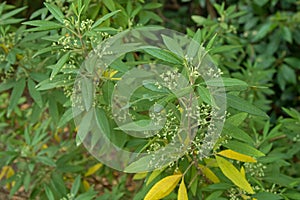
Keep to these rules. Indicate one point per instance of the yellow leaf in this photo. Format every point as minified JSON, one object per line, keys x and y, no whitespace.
{"x":56,"y":137}
{"x":236,"y":156}
{"x":10,"y":172}
{"x":163,"y":188}
{"x":243,"y":172}
{"x":209,"y":174}
{"x":93,"y":169}
{"x":234,"y":174}
{"x":210,"y":162}
{"x":86,"y":185}
{"x":109,"y":74}
{"x":182,"y":193}
{"x":245,"y":197}
{"x":153,"y":175}
{"x":140,"y":175}
{"x":7,"y":172}
{"x":3,"y":171}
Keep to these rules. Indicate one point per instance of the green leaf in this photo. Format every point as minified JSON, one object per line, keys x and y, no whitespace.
{"x":60,"y":63}
{"x":87,"y":195}
{"x":11,"y":13}
{"x":151,"y":86}
{"x":53,"y":109}
{"x":211,"y":42}
{"x":237,"y":119}
{"x":110,"y":4}
{"x":224,"y":49}
{"x":234,"y":174}
{"x":286,"y":34}
{"x":293,"y":62}
{"x":105,"y":17}
{"x":87,"y":92}
{"x":49,"y":193}
{"x":153,"y":175}
{"x":57,"y":182}
{"x":76,"y":185}
{"x":204,"y":94}
{"x":202,"y":20}
{"x":7,"y":85}
{"x":34,"y":93}
{"x":66,"y":117}
{"x":267,"y":196}
{"x":229,"y":83}
{"x":102,"y":121}
{"x":55,"y":11}
{"x":243,"y":105}
{"x":288,"y":74}
{"x":139,"y":165}
{"x":16,"y":95}
{"x":237,"y":133}
{"x":42,"y":25}
{"x":172,"y":45}
{"x":263,"y":31}
{"x":46,"y":160}
{"x":26,"y":181}
{"x":16,"y":187}
{"x":164,"y":55}
{"x":243,"y":148}
{"x":152,"y":5}
{"x":140,"y":125}
{"x":194,"y":45}
{"x":84,"y":126}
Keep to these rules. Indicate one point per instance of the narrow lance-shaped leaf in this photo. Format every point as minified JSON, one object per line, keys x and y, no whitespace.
{"x":164,"y":55}
{"x":153,"y":175}
{"x":59,"y":64}
{"x":105,"y":17}
{"x":42,"y":25}
{"x":209,"y":174}
{"x":172,"y":45}
{"x":55,"y":11}
{"x":243,"y":105}
{"x":163,"y":188}
{"x":236,"y":156}
{"x":139,"y":176}
{"x":11,"y":13}
{"x":234,"y":174}
{"x":49,"y":193}
{"x":93,"y":169}
{"x":76,"y":185}
{"x":247,"y":149}
{"x":182,"y":193}
{"x":16,"y":95}
{"x":34,"y":93}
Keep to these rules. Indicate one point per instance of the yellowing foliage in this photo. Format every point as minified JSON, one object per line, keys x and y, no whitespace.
{"x":153,"y":175}
{"x":234,"y":174}
{"x":209,"y":174}
{"x":93,"y":169}
{"x":182,"y":193}
{"x":139,"y":176}
{"x":163,"y":188}
{"x":236,"y":156}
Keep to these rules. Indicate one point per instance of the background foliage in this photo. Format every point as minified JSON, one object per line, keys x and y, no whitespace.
{"x":255,"y":43}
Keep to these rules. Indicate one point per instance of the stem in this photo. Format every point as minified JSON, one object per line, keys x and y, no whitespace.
{"x":187,"y":169}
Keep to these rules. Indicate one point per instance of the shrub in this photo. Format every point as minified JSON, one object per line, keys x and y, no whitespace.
{"x":46,"y":59}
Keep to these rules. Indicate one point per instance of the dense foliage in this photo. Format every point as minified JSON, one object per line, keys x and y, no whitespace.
{"x":256,"y":44}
